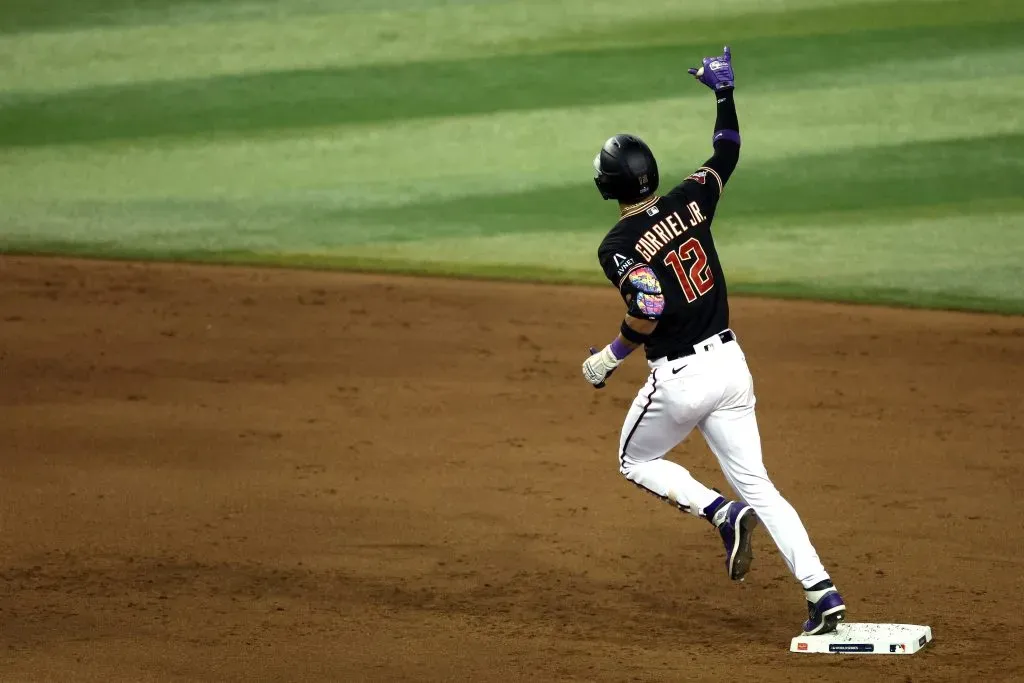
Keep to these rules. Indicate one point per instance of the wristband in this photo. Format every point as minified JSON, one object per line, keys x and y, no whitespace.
{"x":730,"y":135}
{"x":619,"y":349}
{"x":632,"y":335}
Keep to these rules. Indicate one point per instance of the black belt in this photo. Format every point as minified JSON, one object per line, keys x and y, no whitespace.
{"x":726,"y":337}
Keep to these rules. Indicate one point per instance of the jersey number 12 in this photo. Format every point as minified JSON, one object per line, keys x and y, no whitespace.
{"x":698,"y":281}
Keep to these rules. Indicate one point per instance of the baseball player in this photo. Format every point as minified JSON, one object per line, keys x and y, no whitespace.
{"x":662,"y":258}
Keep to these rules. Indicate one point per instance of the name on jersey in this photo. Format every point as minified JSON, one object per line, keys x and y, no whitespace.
{"x":666,"y":230}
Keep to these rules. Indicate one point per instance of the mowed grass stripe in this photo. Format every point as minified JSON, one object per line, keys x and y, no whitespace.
{"x":345,"y":171}
{"x":23,"y":16}
{"x":19,"y":16}
{"x":198,"y":40}
{"x":243,"y":105}
{"x":923,"y":182}
{"x":34,"y":15}
{"x":836,"y":19}
{"x":880,"y":178}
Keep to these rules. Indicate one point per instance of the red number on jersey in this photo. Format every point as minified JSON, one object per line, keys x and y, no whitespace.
{"x":698,"y":281}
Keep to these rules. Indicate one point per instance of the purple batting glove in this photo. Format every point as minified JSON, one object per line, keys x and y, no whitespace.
{"x":716,"y":72}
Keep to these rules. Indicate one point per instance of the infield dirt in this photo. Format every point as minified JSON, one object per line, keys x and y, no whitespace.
{"x":229,"y":474}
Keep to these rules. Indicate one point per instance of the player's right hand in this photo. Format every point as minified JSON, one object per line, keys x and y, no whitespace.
{"x":716,"y":72}
{"x":600,"y":366}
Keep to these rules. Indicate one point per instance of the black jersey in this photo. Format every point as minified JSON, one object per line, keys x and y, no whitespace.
{"x":663,"y":259}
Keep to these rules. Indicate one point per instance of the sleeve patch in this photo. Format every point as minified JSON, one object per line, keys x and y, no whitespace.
{"x":650,"y":304}
{"x":648,"y":299}
{"x":645,"y":281}
{"x":718,"y":179}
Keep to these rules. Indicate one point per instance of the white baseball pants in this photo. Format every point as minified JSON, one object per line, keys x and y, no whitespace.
{"x":713,"y":391}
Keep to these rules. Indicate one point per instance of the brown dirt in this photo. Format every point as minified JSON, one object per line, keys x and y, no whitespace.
{"x":233,"y":474}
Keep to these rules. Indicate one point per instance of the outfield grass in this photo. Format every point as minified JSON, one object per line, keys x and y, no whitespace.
{"x":883,"y":141}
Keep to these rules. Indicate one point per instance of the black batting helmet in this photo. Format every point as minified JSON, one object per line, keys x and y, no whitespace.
{"x":625,"y":169}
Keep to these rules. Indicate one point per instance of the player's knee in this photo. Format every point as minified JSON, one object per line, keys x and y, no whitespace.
{"x":762,"y":498}
{"x":758,"y":493}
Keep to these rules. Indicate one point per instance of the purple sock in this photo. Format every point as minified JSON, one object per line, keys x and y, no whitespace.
{"x":715,"y":506}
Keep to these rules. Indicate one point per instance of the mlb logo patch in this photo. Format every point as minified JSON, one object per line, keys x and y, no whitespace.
{"x":699,"y":176}
{"x":653,"y":211}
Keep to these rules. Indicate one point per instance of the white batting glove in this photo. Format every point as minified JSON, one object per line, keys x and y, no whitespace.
{"x":601,"y":364}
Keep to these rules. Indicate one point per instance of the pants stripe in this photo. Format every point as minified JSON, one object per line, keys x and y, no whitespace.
{"x":650,"y":399}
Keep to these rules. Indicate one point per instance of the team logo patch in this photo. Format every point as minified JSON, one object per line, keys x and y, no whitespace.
{"x":700,"y":176}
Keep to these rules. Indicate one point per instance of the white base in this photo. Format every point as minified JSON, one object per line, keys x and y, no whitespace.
{"x":866,"y":639}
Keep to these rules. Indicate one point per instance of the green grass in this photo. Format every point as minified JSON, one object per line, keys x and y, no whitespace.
{"x":883,"y":141}
{"x":281,"y":100}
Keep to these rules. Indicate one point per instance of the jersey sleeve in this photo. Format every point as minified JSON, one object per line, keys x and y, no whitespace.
{"x":637,"y":282}
{"x":705,"y":185}
{"x":642,"y":293}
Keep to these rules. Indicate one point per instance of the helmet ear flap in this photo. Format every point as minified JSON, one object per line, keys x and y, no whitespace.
{"x":605,"y":184}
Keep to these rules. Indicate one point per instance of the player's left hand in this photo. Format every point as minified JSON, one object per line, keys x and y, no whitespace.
{"x":600,"y":366}
{"x":716,"y":72}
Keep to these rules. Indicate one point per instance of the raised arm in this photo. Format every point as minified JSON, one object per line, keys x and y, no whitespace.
{"x":717,"y":74}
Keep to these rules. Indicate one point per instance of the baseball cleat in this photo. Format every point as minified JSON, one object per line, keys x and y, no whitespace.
{"x":826,"y":611}
{"x":736,"y":523}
